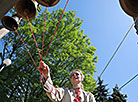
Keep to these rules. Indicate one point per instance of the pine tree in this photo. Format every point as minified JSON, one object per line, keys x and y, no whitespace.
{"x":136,"y":26}
{"x":116,"y":96}
{"x":101,"y":93}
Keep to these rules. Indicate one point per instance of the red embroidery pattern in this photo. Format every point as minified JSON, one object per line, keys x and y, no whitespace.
{"x":78,"y":97}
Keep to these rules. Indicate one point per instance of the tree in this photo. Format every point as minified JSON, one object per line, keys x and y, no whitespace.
{"x":136,"y":26}
{"x":101,"y":93}
{"x":116,"y":96}
{"x":70,"y":49}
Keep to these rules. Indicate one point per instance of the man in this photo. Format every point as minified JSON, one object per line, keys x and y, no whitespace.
{"x":74,"y":94}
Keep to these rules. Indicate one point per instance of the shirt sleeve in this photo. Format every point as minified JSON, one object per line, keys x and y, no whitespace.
{"x":92,"y":99}
{"x":55,"y":94}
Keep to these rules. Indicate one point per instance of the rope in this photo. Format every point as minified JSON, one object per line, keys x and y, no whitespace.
{"x":33,"y":36}
{"x":25,"y":47}
{"x":43,"y":33}
{"x":52,"y":36}
{"x":50,"y":44}
{"x":128,"y":82}
{"x":56,"y":28}
{"x":43,"y":41}
{"x":115,"y":52}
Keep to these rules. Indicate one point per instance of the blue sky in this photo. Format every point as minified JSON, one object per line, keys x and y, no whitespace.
{"x":106,"y":24}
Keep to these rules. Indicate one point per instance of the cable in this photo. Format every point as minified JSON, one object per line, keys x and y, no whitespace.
{"x":117,"y":48}
{"x":128,"y":82}
{"x":115,"y":51}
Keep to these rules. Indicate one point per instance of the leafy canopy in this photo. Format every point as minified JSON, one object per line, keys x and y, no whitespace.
{"x":70,"y":49}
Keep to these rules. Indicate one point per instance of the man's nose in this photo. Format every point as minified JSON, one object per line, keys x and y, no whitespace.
{"x":75,"y":76}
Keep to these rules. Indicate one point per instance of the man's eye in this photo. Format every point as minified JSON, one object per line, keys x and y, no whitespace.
{"x":77,"y":74}
{"x":72,"y":75}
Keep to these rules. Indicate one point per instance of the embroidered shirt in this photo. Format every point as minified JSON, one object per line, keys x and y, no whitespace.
{"x":65,"y":94}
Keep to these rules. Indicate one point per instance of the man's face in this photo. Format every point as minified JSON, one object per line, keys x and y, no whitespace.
{"x":76,"y":77}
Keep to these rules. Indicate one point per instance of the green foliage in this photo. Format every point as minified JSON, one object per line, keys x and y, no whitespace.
{"x":70,"y":49}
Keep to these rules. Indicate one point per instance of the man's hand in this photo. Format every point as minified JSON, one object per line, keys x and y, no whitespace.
{"x":44,"y":69}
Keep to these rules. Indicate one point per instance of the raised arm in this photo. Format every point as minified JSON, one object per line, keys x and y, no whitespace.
{"x":55,"y":94}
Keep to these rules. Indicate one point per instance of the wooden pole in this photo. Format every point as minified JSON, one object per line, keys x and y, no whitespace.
{"x":3,"y":31}
{"x":5,"y":6}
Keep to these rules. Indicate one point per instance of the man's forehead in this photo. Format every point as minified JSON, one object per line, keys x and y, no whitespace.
{"x":74,"y":72}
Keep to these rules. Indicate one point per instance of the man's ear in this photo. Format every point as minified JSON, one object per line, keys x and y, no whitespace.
{"x":82,"y":77}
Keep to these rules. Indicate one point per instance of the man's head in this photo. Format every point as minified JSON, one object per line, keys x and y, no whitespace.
{"x":76,"y":76}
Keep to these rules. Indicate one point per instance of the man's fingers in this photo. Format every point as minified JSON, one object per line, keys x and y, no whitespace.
{"x":42,"y":64}
{"x":43,"y":68}
{"x":40,"y":69}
